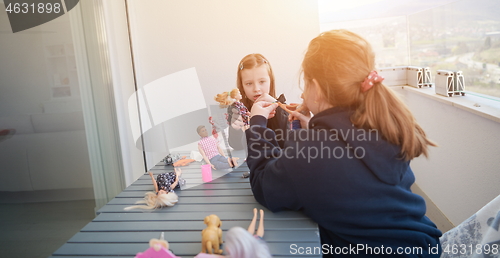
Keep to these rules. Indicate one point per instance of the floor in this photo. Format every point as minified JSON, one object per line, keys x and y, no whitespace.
{"x":36,"y":230}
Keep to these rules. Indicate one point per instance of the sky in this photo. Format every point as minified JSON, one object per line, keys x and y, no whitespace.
{"x":341,"y":10}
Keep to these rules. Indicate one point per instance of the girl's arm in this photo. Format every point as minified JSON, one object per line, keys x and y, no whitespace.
{"x":154,"y":181}
{"x":272,"y":185}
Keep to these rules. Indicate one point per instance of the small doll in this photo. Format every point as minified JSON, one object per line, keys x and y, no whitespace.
{"x":219,"y":124}
{"x":164,"y":194}
{"x":243,"y":243}
{"x":301,"y":108}
{"x":182,"y":162}
{"x":158,"y":248}
{"x":212,"y":153}
{"x":240,"y":242}
{"x":233,"y":100}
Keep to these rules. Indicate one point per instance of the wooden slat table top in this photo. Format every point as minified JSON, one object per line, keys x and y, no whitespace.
{"x":119,"y":233}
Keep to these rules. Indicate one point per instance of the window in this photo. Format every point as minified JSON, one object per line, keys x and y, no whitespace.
{"x":443,"y":35}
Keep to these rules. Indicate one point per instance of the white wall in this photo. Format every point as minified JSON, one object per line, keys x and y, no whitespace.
{"x":213,"y":36}
{"x":463,"y":173}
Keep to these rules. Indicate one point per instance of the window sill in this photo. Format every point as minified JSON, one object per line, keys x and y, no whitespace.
{"x":486,"y":106}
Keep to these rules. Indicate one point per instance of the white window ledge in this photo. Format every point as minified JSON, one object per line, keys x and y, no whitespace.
{"x":479,"y":104}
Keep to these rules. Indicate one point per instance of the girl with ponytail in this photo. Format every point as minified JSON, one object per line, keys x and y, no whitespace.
{"x":349,"y":169}
{"x":343,"y":66}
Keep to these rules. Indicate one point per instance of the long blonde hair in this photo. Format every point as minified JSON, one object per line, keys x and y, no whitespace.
{"x":155,"y":201}
{"x":340,"y":60}
{"x":227,"y":98}
{"x":249,"y":62}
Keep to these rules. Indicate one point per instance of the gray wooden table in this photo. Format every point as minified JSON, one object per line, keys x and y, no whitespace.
{"x":118,"y":233}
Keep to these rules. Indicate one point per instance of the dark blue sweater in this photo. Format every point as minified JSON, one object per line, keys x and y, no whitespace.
{"x":352,"y":182}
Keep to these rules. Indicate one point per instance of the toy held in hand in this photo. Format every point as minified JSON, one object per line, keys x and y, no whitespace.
{"x":301,"y":108}
{"x":289,"y":107}
{"x":233,"y":100}
{"x":214,"y":127}
{"x":211,"y":236}
{"x":164,"y":194}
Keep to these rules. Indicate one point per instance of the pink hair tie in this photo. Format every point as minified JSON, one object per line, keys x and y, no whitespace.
{"x":370,"y":80}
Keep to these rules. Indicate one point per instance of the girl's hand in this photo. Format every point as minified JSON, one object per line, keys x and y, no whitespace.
{"x":265,"y":97}
{"x":272,"y":114}
{"x":304,"y":120}
{"x":263,"y":108}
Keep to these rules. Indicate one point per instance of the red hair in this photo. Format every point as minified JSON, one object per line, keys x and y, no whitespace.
{"x":249,"y":62}
{"x":340,"y":60}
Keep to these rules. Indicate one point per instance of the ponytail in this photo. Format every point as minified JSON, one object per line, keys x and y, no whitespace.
{"x":384,"y":111}
{"x":227,"y":98}
{"x":223,"y":99}
{"x":341,"y":61}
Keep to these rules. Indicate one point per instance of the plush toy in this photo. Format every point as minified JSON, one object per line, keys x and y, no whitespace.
{"x":164,"y":194}
{"x":211,"y":236}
